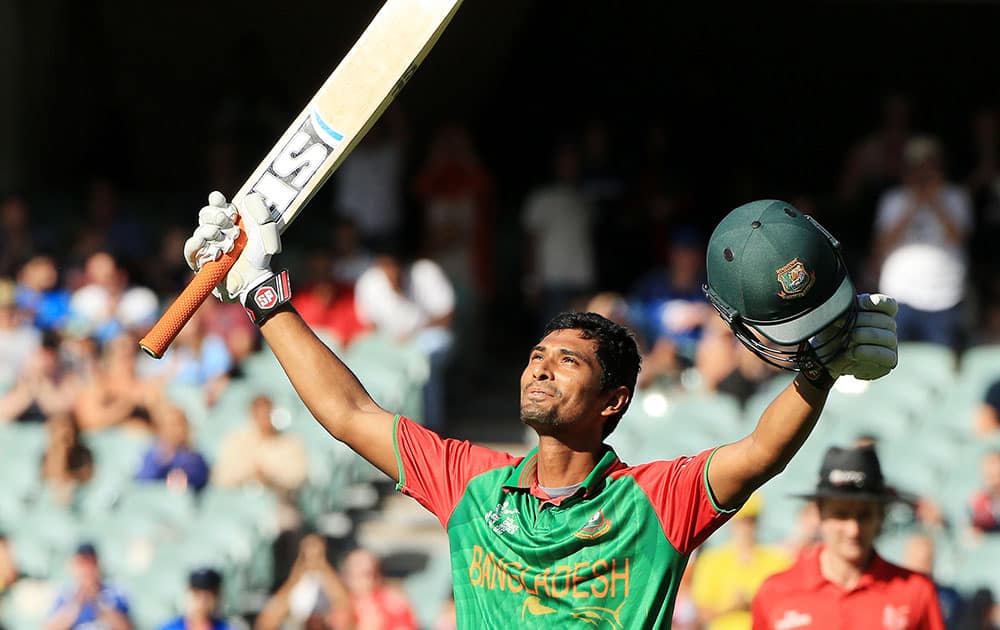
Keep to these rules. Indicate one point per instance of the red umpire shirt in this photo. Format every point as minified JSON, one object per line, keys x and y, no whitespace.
{"x":887,"y":597}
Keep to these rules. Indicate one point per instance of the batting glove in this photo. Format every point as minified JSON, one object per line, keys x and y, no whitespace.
{"x":217,"y":233}
{"x":870,"y":350}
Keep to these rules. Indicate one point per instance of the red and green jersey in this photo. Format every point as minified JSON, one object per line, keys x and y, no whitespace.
{"x":610,"y":555}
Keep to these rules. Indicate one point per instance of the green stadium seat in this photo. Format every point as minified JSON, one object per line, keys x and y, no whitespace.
{"x":978,"y":567}
{"x":980,"y":365}
{"x":925,"y":364}
{"x":173,"y":509}
{"x":430,"y":588}
{"x":254,"y":506}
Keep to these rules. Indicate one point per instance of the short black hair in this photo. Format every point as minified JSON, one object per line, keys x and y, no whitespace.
{"x":205,"y":579}
{"x":617,"y":353}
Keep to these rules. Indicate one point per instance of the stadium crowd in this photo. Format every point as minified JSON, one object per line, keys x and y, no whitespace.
{"x":116,"y":465}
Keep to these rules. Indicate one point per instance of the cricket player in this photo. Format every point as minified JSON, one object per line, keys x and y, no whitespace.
{"x":843,"y":584}
{"x":570,"y":536}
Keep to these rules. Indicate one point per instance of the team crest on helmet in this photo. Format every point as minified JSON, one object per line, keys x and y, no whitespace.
{"x":795,"y":280}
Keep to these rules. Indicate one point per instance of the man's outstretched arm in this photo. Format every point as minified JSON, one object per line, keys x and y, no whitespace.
{"x":333,"y":394}
{"x":737,"y":469}
{"x":328,"y":388}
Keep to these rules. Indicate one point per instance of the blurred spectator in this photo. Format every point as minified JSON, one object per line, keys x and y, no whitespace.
{"x":38,"y":292}
{"x":659,"y":362}
{"x":327,"y":304}
{"x":171,"y":458}
{"x":116,"y":396}
{"x":919,"y":557}
{"x":725,"y":365}
{"x":229,"y":322}
{"x":985,"y":502}
{"x":196,"y":357}
{"x":377,"y":606}
{"x":668,"y":303}
{"x":844,"y":573}
{"x":456,"y":192}
{"x":412,"y":301}
{"x":16,"y":242}
{"x":986,"y":420}
{"x":18,"y":339}
{"x":922,"y":230}
{"x":313,"y":597}
{"x":557,"y":220}
{"x":89,"y":602}
{"x":66,"y":462}
{"x":105,"y":305}
{"x":727,"y":576}
{"x":259,"y":454}
{"x":369,"y":185}
{"x":9,"y":572}
{"x":202,"y":603}
{"x":43,"y":388}
{"x":876,"y":162}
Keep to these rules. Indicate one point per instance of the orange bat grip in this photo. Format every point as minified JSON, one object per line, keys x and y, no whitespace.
{"x":157,"y":340}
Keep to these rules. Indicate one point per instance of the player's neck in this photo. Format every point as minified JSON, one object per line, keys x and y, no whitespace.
{"x":562,"y":464}
{"x":841,"y":571}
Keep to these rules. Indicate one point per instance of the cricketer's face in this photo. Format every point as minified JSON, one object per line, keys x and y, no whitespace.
{"x":849,"y":527}
{"x":561,"y":385}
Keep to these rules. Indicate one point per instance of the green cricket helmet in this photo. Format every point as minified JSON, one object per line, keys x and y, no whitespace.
{"x":776,"y":272}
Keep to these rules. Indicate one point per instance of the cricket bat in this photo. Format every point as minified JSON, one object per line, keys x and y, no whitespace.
{"x":323,"y":135}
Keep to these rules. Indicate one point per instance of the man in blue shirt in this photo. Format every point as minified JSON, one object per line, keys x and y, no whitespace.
{"x":89,"y":604}
{"x":202,"y":601}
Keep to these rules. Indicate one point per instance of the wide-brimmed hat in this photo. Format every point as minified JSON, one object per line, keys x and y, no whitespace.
{"x":852,"y":473}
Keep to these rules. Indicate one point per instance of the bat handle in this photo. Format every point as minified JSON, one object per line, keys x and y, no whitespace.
{"x":158,"y":338}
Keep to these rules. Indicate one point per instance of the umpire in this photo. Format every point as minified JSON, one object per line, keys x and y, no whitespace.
{"x":842,"y":583}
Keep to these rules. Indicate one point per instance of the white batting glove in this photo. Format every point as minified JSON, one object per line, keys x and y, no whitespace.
{"x":216,"y":234}
{"x":871,"y":348}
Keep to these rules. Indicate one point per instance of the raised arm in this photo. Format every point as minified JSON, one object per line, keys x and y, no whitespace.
{"x":333,"y":394}
{"x":328,"y":388}
{"x":737,"y":469}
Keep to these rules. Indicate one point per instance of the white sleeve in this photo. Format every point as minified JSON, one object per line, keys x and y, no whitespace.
{"x":378,"y":304}
{"x":890,"y":208}
{"x":432,"y":290}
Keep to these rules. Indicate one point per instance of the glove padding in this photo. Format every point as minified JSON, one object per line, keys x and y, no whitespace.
{"x":217,"y":233}
{"x":870,"y":352}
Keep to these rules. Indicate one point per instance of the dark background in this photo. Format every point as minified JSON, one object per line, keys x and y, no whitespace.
{"x":766,"y":98}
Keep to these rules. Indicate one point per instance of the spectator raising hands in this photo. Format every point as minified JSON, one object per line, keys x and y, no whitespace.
{"x":89,"y":602}
{"x":313,"y":596}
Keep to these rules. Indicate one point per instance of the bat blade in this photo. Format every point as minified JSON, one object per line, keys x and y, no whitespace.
{"x":323,"y":135}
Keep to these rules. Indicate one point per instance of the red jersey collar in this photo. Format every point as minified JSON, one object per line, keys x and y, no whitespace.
{"x":814,"y":578}
{"x":524,"y":476}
